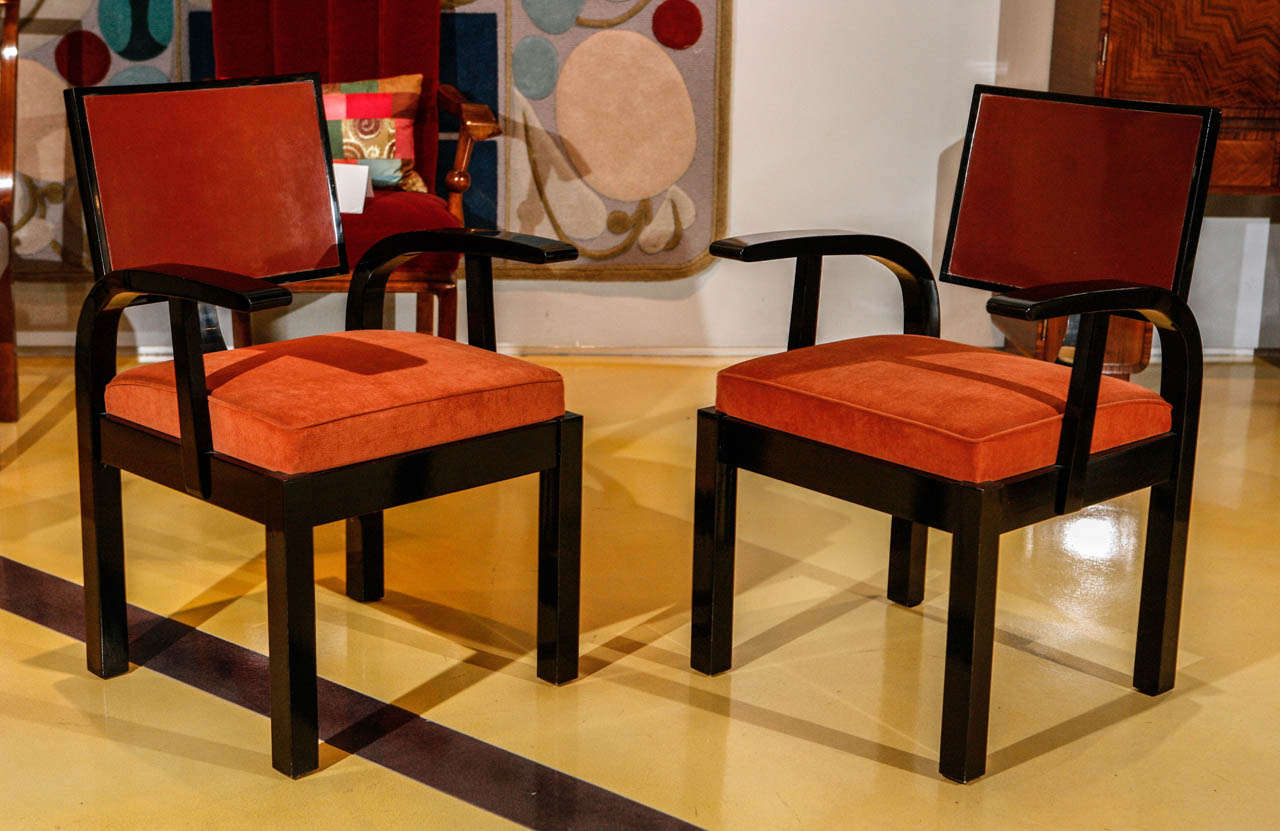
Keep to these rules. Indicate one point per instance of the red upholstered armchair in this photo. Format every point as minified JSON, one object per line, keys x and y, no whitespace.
{"x":301,"y":432}
{"x":357,"y":40}
{"x":1065,"y":205}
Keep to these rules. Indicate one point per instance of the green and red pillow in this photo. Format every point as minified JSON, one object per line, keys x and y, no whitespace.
{"x":371,"y":123}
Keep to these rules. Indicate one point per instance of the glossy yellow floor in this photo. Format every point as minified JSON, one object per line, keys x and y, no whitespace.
{"x":829,"y":719}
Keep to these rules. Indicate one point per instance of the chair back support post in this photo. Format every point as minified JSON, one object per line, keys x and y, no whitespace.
{"x":1181,"y":380}
{"x":481,"y":330}
{"x":369,"y":289}
{"x":920,"y":315}
{"x":1078,"y":414}
{"x":804,"y":302}
{"x":194,"y":431}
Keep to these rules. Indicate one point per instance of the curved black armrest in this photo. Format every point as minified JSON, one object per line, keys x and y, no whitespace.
{"x":184,"y":286}
{"x":479,"y":247}
{"x":471,"y":242}
{"x":1159,"y":305}
{"x":1094,"y":301}
{"x":178,"y":281}
{"x":915,"y":277}
{"x":823,"y":242}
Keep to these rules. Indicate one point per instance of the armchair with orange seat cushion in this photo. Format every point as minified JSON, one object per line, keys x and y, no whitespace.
{"x":301,"y":432}
{"x":1064,"y":205}
{"x":357,"y":40}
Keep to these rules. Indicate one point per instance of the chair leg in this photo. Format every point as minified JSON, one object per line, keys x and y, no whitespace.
{"x":447,"y":327}
{"x":291,"y":625}
{"x":424,"y":313}
{"x":1160,"y":609}
{"x":364,"y":557}
{"x":102,"y":534}
{"x":8,"y":349}
{"x":907,"y":543}
{"x":966,"y":694}
{"x":715,"y":502}
{"x":559,"y":548}
{"x":241,"y":329}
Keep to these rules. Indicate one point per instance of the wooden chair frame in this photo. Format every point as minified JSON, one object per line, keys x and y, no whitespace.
{"x":290,"y":506}
{"x":8,"y":107}
{"x":974,"y":513}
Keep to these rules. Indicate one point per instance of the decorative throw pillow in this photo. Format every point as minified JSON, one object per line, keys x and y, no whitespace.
{"x":371,"y":123}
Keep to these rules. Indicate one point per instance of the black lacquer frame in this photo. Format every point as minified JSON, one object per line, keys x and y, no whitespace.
{"x":290,"y":506}
{"x":975,"y":513}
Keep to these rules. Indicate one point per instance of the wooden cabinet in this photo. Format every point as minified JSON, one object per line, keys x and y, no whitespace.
{"x":1220,"y":52}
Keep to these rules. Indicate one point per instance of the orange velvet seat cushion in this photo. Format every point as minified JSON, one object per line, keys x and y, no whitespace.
{"x":392,"y":212}
{"x":957,"y":411}
{"x":331,"y":400}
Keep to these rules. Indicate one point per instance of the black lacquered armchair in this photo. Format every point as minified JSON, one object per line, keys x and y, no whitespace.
{"x":301,"y":432}
{"x":1064,"y":205}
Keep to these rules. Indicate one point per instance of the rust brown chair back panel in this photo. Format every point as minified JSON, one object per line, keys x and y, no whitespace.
{"x":1054,"y":193}
{"x":218,"y":185}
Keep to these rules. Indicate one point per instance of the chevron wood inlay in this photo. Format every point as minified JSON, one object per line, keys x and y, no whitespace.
{"x":1220,"y":52}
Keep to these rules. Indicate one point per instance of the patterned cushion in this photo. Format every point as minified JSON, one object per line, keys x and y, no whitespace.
{"x":371,"y":123}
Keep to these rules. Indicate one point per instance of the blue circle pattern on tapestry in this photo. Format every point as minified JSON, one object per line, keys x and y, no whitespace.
{"x":140,"y":73}
{"x":535,"y":67}
{"x":136,"y":29}
{"x":554,"y":17}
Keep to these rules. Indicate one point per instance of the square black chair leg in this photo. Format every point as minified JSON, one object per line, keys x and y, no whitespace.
{"x":966,"y":694}
{"x":365,"y":557}
{"x":559,"y":553}
{"x":1160,"y":607}
{"x":291,"y":625}
{"x":714,"y":520}
{"x":106,"y":628}
{"x":908,"y":542}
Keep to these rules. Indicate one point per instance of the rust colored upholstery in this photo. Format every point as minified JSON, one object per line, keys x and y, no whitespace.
{"x":236,"y":225}
{"x":957,"y":411}
{"x":1117,"y":181}
{"x":393,"y":211}
{"x":330,"y":400}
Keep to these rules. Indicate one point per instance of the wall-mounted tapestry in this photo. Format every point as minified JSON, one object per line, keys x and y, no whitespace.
{"x":615,"y":126}
{"x":64,"y":43}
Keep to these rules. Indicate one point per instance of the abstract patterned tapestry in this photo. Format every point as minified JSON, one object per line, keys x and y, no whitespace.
{"x":614,"y":115}
{"x":64,"y":43}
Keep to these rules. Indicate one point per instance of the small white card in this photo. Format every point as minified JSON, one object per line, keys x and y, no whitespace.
{"x":353,"y":185}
